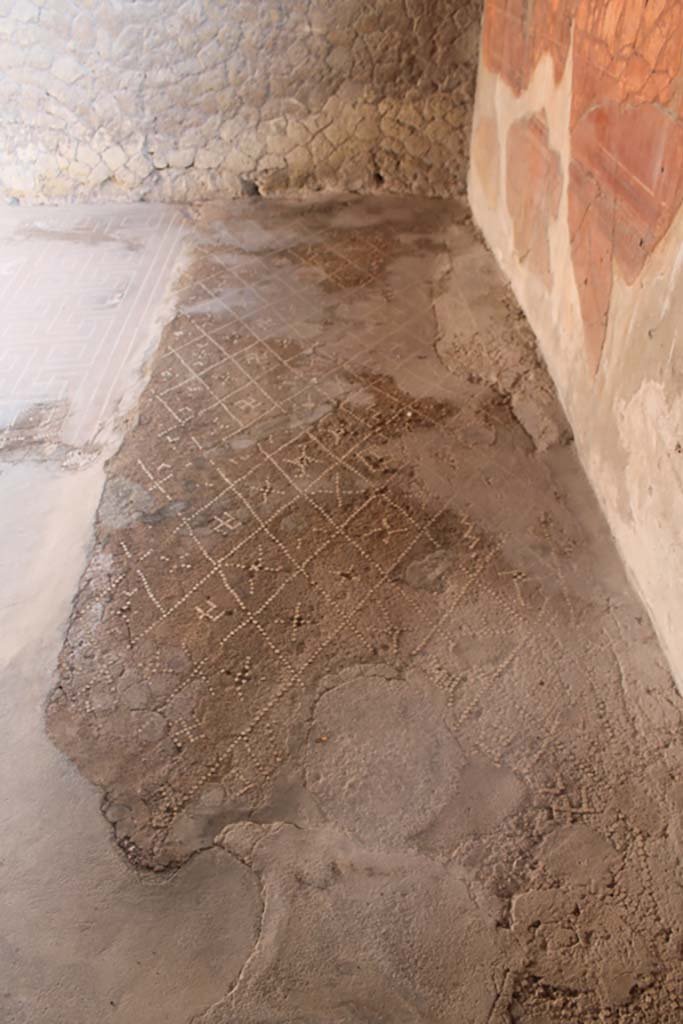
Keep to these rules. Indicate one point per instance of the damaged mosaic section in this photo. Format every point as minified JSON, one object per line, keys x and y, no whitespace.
{"x":349,"y":622}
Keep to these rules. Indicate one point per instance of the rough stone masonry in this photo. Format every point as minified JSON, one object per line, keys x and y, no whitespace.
{"x":118,"y":99}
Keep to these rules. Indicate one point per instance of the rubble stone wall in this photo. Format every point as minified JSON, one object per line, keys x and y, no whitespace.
{"x":156,"y":99}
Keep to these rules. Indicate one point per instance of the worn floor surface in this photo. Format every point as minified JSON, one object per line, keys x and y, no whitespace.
{"x":378,"y":729}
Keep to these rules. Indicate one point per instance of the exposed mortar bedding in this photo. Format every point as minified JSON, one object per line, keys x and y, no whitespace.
{"x":36,"y":435}
{"x":179,"y":101}
{"x":344,"y":620}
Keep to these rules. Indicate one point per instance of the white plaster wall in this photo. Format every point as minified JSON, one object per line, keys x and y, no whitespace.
{"x":177,"y":100}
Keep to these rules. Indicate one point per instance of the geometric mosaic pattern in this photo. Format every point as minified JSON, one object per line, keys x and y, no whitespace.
{"x":305,"y":492}
{"x":269,"y":522}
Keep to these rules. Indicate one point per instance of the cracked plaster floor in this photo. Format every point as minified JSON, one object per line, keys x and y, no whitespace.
{"x":321,"y":614}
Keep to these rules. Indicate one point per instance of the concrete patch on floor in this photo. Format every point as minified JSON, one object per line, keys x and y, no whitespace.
{"x":350,"y":934}
{"x":349,"y":625}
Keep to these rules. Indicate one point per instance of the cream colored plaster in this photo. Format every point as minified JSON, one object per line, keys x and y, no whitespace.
{"x":560,"y":308}
{"x":640,"y":415}
{"x":628,"y":418}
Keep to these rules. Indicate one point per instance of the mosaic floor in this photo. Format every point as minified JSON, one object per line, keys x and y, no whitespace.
{"x":353,"y":618}
{"x":77,"y":291}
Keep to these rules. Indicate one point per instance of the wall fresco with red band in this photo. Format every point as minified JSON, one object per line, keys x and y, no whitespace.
{"x":626,"y":128}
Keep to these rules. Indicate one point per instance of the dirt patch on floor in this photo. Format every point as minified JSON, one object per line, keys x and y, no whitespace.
{"x":343,"y":618}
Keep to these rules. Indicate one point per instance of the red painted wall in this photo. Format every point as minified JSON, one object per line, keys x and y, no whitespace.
{"x":626,"y":129}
